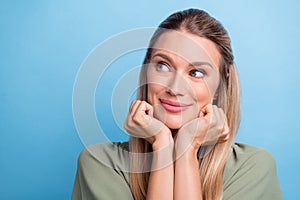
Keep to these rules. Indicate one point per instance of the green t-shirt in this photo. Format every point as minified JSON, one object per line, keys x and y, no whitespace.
{"x":102,"y":173}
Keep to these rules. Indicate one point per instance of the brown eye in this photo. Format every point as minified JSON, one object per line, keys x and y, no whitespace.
{"x":197,"y":73}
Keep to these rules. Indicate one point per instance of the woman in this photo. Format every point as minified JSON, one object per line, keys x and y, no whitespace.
{"x":182,"y":126}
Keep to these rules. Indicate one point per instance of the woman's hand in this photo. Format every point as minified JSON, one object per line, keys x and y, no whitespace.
{"x":209,"y":128}
{"x":141,"y":123}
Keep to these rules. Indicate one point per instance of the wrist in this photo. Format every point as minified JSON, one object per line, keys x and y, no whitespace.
{"x":188,"y":159}
{"x":186,"y":145}
{"x":189,"y":152}
{"x":163,"y":140}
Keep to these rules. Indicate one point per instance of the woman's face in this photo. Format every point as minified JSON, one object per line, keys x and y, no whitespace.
{"x":182,"y":77}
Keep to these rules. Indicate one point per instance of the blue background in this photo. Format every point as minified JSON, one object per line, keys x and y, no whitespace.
{"x":43,"y":43}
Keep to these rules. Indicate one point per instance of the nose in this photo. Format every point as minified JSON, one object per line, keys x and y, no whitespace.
{"x":177,"y":85}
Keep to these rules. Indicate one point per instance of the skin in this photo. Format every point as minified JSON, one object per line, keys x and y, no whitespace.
{"x":182,"y":77}
{"x":183,"y":69}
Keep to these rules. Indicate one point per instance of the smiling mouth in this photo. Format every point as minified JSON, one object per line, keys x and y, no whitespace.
{"x":173,"y":106}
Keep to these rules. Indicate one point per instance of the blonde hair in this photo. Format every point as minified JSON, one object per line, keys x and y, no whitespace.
{"x":211,"y":165}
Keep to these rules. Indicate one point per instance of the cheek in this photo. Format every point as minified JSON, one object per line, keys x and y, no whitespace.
{"x":156,"y":85}
{"x":203,"y":97}
{"x":153,"y":91}
{"x":204,"y":93}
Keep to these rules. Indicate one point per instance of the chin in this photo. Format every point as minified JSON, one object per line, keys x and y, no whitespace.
{"x":174,"y":122}
{"x":173,"y":125}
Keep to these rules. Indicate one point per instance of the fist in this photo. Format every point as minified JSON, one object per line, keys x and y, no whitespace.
{"x":208,"y":129}
{"x":141,"y":123}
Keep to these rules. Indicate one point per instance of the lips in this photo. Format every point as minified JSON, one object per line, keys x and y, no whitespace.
{"x":173,"y":106}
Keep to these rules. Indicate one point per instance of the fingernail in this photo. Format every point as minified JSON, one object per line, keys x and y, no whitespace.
{"x":201,"y":114}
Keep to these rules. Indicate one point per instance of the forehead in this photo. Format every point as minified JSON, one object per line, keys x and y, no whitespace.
{"x":190,"y":47}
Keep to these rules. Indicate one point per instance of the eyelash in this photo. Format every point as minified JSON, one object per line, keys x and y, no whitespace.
{"x":198,"y":70}
{"x":159,"y":64}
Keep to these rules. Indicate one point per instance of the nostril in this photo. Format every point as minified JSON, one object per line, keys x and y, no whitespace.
{"x":175,"y":92}
{"x":171,"y":92}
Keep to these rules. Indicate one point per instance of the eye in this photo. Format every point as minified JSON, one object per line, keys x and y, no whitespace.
{"x":162,"y":67}
{"x":197,"y":73}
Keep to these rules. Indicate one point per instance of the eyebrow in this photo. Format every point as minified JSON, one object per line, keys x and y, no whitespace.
{"x":197,"y":63}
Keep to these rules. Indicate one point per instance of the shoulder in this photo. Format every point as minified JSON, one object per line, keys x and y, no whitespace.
{"x":102,"y":172}
{"x":250,"y":171}
{"x":113,"y":155}
{"x":243,"y":154}
{"x":248,"y":158}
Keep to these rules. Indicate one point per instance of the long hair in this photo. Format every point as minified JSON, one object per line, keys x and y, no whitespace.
{"x":211,"y":165}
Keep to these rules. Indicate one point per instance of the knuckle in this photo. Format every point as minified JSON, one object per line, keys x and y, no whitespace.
{"x":125,"y":126}
{"x":213,"y":121}
{"x":135,"y":118}
{"x":225,"y":130}
{"x":205,"y":127}
{"x":129,"y":124}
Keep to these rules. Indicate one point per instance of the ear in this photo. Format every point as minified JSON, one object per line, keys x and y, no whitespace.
{"x":215,"y":99}
{"x":216,"y":95}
